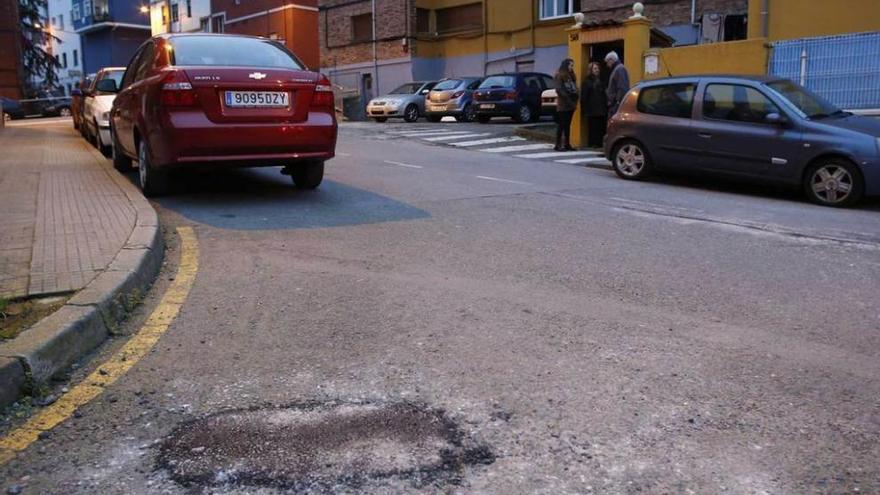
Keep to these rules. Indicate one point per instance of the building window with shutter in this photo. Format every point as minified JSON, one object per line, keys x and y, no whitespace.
{"x":553,"y":9}
{"x":189,"y":8}
{"x":362,"y":27}
{"x":64,"y":60}
{"x":175,"y":14}
{"x":462,"y":18}
{"x":423,"y":21}
{"x":75,"y":58}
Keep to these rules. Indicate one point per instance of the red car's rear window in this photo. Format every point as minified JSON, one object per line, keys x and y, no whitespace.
{"x":231,"y":51}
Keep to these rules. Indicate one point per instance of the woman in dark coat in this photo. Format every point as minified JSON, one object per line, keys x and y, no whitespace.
{"x":594,"y":106}
{"x":566,"y":103}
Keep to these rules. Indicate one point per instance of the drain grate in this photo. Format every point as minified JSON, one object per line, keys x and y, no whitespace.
{"x":321,"y":447}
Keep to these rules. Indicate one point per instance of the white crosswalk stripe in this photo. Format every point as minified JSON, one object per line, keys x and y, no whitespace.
{"x":585,"y":161}
{"x":523,"y":147}
{"x":430,"y":133}
{"x":482,"y":142}
{"x":456,"y":136}
{"x":558,"y":154}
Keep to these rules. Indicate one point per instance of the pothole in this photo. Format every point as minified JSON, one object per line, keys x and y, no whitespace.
{"x":322,"y":447}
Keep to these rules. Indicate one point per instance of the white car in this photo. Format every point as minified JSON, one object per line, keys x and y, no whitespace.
{"x":548,"y":101}
{"x":96,"y":109}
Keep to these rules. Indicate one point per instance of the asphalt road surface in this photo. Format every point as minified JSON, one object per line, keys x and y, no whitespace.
{"x":446,"y":319}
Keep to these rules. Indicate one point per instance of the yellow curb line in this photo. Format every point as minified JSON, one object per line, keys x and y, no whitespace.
{"x":122,"y":360}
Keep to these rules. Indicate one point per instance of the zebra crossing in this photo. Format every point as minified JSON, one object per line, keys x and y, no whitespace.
{"x":515,"y":146}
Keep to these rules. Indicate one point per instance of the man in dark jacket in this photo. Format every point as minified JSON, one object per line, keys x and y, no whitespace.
{"x":618,"y":83}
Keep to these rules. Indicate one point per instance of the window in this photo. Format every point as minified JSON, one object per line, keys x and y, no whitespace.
{"x":76,"y":58}
{"x":807,"y":103}
{"x":533,"y":83}
{"x":218,"y":24}
{"x":423,"y":21}
{"x":148,"y":57}
{"x":735,"y":27}
{"x":475,"y":84}
{"x":175,"y":14}
{"x":448,"y":84}
{"x":736,"y":103}
{"x":54,"y":23}
{"x":461,"y":18}
{"x":551,"y":9}
{"x":670,"y":100}
{"x":498,"y":82}
{"x":61,"y":21}
{"x":189,"y":8}
{"x":164,"y":14}
{"x":64,"y":60}
{"x":549,"y":83}
{"x":362,"y":27}
{"x":231,"y":52}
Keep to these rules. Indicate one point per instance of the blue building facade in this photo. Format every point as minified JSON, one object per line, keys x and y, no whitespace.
{"x":110,"y":31}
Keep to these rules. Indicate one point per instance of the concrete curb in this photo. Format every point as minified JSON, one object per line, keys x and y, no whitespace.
{"x":92,"y":314}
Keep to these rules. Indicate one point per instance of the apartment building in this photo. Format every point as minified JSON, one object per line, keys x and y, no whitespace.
{"x":10,"y":50}
{"x":110,"y":31}
{"x":179,"y":16}
{"x":65,"y":46}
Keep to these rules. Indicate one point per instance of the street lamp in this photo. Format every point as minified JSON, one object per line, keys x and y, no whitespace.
{"x":144,"y":9}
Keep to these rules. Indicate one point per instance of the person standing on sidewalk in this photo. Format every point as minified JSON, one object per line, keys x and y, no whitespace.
{"x":618,"y":83}
{"x":566,"y":103}
{"x":594,"y":106}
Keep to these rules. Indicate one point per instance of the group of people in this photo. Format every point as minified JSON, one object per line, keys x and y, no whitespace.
{"x":598,"y":101}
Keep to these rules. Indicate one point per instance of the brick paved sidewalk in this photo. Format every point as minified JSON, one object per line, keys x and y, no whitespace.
{"x":62,"y":217}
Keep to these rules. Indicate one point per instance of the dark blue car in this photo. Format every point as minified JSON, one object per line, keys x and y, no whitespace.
{"x":12,"y":109}
{"x":516,"y":95}
{"x":761,"y":128}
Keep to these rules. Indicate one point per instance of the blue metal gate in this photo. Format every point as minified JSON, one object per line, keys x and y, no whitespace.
{"x":844,"y":69}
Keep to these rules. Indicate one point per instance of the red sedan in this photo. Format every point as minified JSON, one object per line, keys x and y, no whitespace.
{"x":212,"y":100}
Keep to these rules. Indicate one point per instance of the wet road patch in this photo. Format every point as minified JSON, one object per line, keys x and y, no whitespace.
{"x":322,"y":447}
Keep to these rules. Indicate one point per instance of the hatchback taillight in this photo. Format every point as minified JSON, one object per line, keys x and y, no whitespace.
{"x":323,"y":96}
{"x":177,"y":91}
{"x":511,"y":95}
{"x":457,"y":94}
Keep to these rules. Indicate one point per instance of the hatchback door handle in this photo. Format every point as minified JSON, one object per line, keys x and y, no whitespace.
{"x":704,"y":135}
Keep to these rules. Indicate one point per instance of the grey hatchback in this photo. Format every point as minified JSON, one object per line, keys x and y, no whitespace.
{"x":761,"y":128}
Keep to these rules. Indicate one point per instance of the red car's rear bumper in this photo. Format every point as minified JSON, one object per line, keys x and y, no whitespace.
{"x":189,"y":138}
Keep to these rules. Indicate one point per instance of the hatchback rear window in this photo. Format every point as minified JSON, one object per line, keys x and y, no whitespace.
{"x":447,"y":85}
{"x":670,"y":100}
{"x":498,"y":82}
{"x":231,"y":51}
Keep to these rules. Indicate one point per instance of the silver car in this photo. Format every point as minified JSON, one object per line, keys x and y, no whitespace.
{"x":406,"y":101}
{"x":764,"y":129}
{"x":453,"y":98}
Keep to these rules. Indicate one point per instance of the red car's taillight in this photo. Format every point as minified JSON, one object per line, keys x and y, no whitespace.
{"x":322,"y":98}
{"x":177,"y":91}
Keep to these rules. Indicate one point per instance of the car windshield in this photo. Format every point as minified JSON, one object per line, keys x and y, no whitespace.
{"x":447,"y":85}
{"x":231,"y":51}
{"x":498,"y":82}
{"x":808,"y":103}
{"x":407,"y":89}
{"x":116,"y":75}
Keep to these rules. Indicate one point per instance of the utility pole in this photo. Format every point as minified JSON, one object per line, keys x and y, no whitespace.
{"x":375,"y":51}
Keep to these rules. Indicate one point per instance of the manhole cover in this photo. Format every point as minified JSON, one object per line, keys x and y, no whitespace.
{"x":321,"y":447}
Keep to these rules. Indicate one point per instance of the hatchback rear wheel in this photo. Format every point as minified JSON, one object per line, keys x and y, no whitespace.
{"x":834,"y":182}
{"x":307,"y":176}
{"x":524,"y":114}
{"x":467,"y":115}
{"x":631,"y":161}
{"x":153,"y":183}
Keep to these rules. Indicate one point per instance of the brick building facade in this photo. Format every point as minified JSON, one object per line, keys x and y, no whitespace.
{"x":293,"y":22}
{"x":10,"y":50}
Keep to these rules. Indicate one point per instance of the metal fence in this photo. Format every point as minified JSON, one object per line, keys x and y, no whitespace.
{"x":843,"y":69}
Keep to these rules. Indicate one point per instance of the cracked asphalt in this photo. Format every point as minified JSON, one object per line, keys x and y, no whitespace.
{"x":583,"y":333}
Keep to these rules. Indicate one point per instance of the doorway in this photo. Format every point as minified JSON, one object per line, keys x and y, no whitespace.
{"x":596,"y":52}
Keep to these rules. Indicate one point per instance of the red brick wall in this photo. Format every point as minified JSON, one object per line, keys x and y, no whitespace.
{"x":395,"y":20}
{"x":297,"y":27}
{"x":662,"y":12}
{"x":10,"y":50}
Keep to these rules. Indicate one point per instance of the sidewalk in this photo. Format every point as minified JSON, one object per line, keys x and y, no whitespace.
{"x":63,"y":218}
{"x":69,"y":225}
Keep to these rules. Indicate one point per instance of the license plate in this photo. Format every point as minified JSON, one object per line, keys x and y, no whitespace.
{"x":257,"y":99}
{"x":487,"y":106}
{"x":438,"y":108}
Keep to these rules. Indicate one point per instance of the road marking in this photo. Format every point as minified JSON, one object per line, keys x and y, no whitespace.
{"x":481,"y":142}
{"x":120,"y":362}
{"x":450,"y":138}
{"x":428,"y":133}
{"x":522,"y":147}
{"x":496,"y":179}
{"x":343,"y":154}
{"x":423,"y":129}
{"x":559,"y":154}
{"x":586,"y":161}
{"x":407,"y":165}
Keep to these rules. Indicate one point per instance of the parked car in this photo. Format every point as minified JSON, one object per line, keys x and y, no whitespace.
{"x":515,"y":95}
{"x":96,"y":109}
{"x":57,"y":107}
{"x":406,"y":101}
{"x":12,"y":109}
{"x":548,"y":101}
{"x":76,"y":102}
{"x":761,"y":128}
{"x":452,"y":97}
{"x":211,"y":101}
